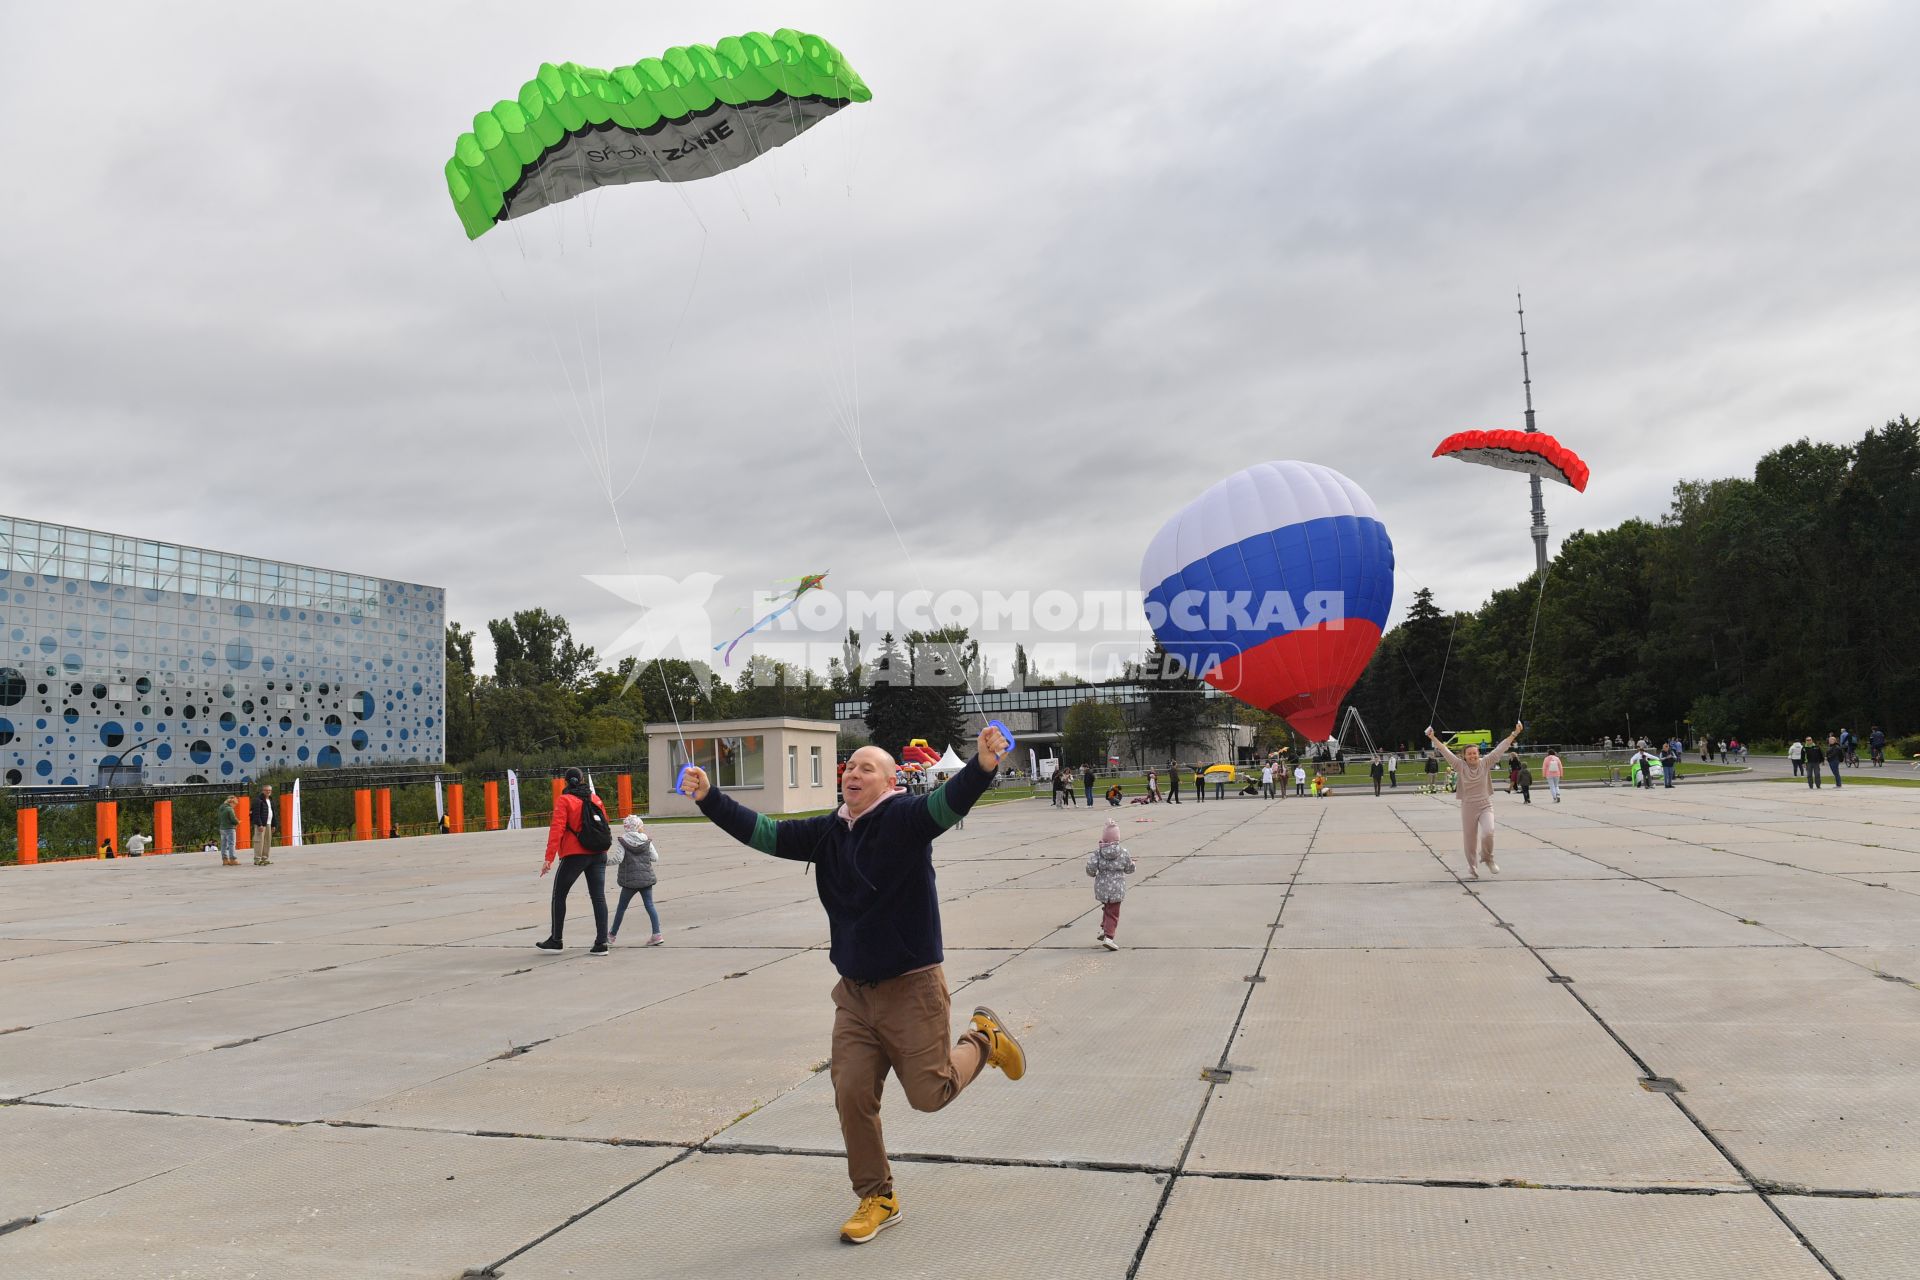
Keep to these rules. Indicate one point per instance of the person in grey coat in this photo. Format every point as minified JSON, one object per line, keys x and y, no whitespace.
{"x":1110,"y":865}
{"x":639,"y":873}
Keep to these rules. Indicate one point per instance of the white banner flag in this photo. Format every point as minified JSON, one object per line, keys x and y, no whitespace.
{"x":513,"y":800}
{"x":295,"y":811}
{"x":439,"y":799}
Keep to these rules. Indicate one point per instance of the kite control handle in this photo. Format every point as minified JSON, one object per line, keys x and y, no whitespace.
{"x":680,"y":781}
{"x":1004,"y":732}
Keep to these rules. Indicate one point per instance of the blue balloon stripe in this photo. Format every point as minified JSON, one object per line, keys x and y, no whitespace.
{"x":1350,"y":556}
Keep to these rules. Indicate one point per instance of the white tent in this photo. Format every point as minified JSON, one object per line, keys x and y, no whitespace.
{"x":948,"y":764}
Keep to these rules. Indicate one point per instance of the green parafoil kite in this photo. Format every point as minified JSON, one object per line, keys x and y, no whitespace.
{"x":693,"y":112}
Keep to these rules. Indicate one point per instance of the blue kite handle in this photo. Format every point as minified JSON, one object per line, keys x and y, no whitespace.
{"x":680,"y":781}
{"x":1004,"y":732}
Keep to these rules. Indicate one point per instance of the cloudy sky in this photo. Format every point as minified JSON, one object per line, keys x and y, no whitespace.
{"x":1070,"y":266}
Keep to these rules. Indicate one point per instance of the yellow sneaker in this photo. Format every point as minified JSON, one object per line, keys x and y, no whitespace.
{"x":1003,"y":1051}
{"x":875,"y":1214}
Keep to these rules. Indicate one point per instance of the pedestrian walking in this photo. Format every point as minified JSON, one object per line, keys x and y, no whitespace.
{"x":1378,"y":769}
{"x":1524,"y":776}
{"x":1476,"y":798}
{"x":1393,"y":769}
{"x":579,"y":837}
{"x":263,"y":827}
{"x":1551,"y":768}
{"x":1109,"y":864}
{"x":1087,"y":776}
{"x":637,"y":876}
{"x":1836,"y":755}
{"x":1810,"y":752}
{"x":228,"y":820}
{"x":1794,"y":750}
{"x":1173,"y":781}
{"x":1300,"y":779}
{"x":873,"y":871}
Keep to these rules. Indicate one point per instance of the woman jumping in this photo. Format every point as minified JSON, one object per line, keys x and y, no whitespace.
{"x":1476,"y":798}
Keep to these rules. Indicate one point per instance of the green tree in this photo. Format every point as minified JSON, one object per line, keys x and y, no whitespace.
{"x":535,"y":648}
{"x":1088,"y":732}
{"x":463,"y":738}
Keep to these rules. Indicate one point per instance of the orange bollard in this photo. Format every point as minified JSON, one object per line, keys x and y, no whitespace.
{"x":26,"y":826}
{"x":382,"y":814}
{"x":457,"y":806}
{"x":106,"y":826}
{"x":558,"y":786}
{"x":623,"y":795}
{"x":243,"y":810}
{"x":363,"y":814}
{"x":283,"y":810}
{"x":492,"y":791}
{"x":162,"y":826}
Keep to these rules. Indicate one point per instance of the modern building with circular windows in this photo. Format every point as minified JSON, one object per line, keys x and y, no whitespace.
{"x":125,"y":661}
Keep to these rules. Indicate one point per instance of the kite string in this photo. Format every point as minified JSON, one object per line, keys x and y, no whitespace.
{"x":1539,"y":599}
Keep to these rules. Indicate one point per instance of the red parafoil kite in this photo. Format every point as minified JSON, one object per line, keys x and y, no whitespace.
{"x":1533,"y":452}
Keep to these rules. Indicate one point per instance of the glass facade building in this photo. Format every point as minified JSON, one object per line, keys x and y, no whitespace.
{"x":124,"y":659}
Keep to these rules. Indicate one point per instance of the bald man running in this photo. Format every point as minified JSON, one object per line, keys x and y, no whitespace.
{"x":873,"y":870}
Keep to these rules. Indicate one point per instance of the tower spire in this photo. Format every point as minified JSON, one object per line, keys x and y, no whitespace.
{"x":1539,"y":505}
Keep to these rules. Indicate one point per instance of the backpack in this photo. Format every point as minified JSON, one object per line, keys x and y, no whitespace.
{"x":594,"y":834}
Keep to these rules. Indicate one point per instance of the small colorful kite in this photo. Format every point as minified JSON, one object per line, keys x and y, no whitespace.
{"x":807,"y":583}
{"x":1533,"y":452}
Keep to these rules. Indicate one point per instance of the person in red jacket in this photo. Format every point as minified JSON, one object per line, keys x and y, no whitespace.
{"x":576,"y":860}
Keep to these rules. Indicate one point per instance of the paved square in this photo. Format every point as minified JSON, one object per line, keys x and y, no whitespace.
{"x":1320,"y":1053}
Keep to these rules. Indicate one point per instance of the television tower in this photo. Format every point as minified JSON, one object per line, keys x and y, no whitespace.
{"x":1533,"y":482}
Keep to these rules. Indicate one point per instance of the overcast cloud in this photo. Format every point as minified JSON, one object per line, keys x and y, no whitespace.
{"x":1080,"y":267}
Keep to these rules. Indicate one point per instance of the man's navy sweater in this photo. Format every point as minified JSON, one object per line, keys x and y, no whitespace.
{"x":875,"y":878}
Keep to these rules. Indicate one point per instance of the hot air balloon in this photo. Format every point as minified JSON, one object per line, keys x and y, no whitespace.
{"x":1274,"y":586}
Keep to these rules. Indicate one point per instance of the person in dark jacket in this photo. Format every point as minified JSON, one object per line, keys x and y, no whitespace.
{"x":1379,"y":771}
{"x":1173,"y":781}
{"x":576,"y":860}
{"x":1810,"y":754}
{"x":1836,"y":755}
{"x":1199,"y":784}
{"x":262,"y":813}
{"x":1087,"y":776}
{"x":872,"y":865}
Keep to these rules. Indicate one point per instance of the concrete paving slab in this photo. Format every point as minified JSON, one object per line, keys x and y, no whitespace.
{"x":70,"y":984}
{"x":1779,"y":986}
{"x":1122,"y":1034}
{"x":1820,"y":910}
{"x":1502,"y":1076}
{"x":1262,"y":868}
{"x":1387,"y":915}
{"x":1903,"y":962}
{"x":1615,"y":913}
{"x":996,"y":918}
{"x":779,"y":1216}
{"x":335,"y":1202}
{"x":1404,"y":865}
{"x":1203,"y":916}
{"x":1863,"y":1239}
{"x":58,"y":1156}
{"x":677,"y":1071}
{"x":1327,"y":1231}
